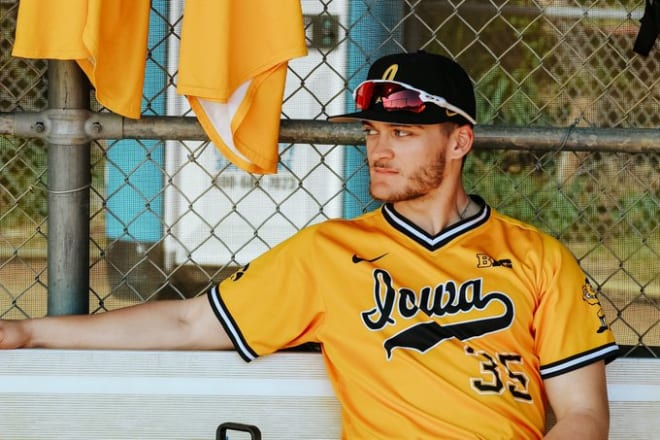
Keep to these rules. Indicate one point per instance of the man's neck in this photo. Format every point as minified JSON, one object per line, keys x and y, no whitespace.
{"x":435,"y":212}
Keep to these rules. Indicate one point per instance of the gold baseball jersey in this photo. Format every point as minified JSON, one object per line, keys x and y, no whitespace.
{"x":108,"y":40}
{"x":232,"y":68}
{"x":424,"y":337}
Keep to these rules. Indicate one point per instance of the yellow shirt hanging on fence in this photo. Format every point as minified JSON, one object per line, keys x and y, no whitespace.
{"x":108,"y":39}
{"x":232,"y":68}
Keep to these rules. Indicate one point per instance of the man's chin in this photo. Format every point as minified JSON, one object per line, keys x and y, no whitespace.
{"x":379,"y":194}
{"x":390,"y":197}
{"x":383,"y":197}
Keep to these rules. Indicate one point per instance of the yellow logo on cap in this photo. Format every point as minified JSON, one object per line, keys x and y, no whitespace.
{"x":390,"y":72}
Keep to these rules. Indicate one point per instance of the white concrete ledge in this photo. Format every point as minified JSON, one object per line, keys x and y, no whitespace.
{"x":92,"y":394}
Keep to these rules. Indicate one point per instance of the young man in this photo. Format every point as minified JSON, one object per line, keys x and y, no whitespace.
{"x":437,"y":316}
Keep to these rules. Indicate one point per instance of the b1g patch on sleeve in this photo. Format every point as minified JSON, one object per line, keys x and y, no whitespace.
{"x":590,"y":296}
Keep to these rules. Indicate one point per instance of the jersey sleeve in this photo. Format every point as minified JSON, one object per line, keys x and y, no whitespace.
{"x":570,"y":326}
{"x":272,"y":303}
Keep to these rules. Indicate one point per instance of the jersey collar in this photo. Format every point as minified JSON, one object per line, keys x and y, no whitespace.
{"x":433,"y":242}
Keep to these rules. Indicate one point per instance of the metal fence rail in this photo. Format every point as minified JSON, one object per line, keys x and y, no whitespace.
{"x":97,"y":126}
{"x":134,"y":210}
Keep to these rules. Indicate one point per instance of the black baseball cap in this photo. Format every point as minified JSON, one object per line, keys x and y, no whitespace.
{"x":431,"y":73}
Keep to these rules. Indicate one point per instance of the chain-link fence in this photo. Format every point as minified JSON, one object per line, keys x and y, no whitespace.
{"x":568,"y":141}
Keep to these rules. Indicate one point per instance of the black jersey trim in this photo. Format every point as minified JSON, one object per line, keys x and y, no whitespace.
{"x":433,"y":242}
{"x":607,"y":352}
{"x":230,"y":326}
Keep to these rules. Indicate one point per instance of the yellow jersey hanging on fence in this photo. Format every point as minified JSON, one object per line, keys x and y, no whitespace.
{"x":108,"y":39}
{"x":232,"y":68}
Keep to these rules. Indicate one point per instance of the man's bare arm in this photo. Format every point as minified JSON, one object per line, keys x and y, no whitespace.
{"x":159,"y":325}
{"x":579,"y":401}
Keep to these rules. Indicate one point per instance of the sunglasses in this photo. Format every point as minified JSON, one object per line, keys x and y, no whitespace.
{"x":397,"y":96}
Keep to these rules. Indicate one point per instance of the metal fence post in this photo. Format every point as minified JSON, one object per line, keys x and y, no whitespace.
{"x":68,"y":191}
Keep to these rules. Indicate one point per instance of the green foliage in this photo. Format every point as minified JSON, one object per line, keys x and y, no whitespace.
{"x":23,"y":197}
{"x":527,"y":188}
{"x":502,"y":101}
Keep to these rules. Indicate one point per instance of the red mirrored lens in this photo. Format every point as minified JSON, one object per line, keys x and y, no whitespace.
{"x":408,"y":100}
{"x":363,"y":95}
{"x":392,"y":97}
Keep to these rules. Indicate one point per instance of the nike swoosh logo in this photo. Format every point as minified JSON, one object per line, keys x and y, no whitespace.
{"x":357,"y":259}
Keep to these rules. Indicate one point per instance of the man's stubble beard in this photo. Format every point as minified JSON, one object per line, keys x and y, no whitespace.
{"x":419,"y":184}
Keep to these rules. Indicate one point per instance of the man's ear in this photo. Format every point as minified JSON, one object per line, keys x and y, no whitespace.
{"x":463,"y":139}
